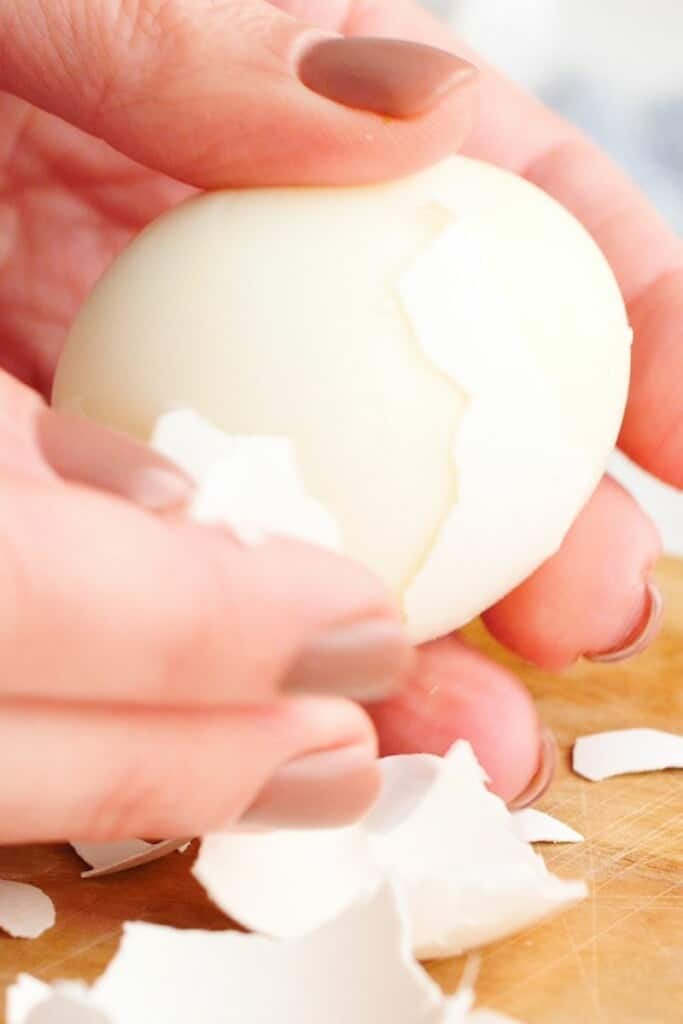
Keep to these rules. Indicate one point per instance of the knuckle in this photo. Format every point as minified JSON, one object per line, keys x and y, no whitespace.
{"x":137,"y":800}
{"x":160,"y":20}
{"x":143,"y":17}
{"x":156,"y":796}
{"x":226,"y":810}
{"x":136,"y":43}
{"x":169,"y":21}
{"x":189,"y":638}
{"x":208,"y":644}
{"x":185,"y":653}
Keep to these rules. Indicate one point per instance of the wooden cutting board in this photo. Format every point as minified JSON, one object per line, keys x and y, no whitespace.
{"x":615,"y":959}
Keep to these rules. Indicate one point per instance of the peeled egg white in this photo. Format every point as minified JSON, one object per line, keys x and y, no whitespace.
{"x":448,"y":354}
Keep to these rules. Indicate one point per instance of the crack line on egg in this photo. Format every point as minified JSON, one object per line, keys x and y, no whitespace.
{"x":442,"y":219}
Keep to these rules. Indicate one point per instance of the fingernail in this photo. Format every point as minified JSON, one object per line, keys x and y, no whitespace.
{"x":644,"y":633}
{"x":547,"y":763}
{"x":86,"y":453}
{"x":322,"y":790}
{"x":364,"y":661}
{"x":386,"y":76}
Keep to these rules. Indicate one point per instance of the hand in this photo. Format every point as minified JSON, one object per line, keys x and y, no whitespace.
{"x":155,"y":674}
{"x":121,"y":694}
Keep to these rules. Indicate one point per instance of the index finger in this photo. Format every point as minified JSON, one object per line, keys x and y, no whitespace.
{"x":518,"y":132}
{"x":104,"y":602}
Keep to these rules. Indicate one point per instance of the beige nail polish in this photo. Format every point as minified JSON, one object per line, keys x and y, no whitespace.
{"x":392,"y":77}
{"x":156,"y":488}
{"x":86,"y":453}
{"x":326,"y":789}
{"x":364,"y":661}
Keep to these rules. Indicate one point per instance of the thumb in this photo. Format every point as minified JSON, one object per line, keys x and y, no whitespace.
{"x":237,"y":93}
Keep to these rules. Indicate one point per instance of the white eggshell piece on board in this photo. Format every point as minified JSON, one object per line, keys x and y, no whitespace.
{"x":465,"y":876}
{"x":489,"y":1017}
{"x":625,"y":752}
{"x":445,"y":842}
{"x":537,"y":827}
{"x":357,"y":969}
{"x":104,"y":855}
{"x":448,"y":355}
{"x":25,"y":910}
{"x":30,"y":1001}
{"x":251,"y":484}
{"x":251,"y":877}
{"x":111,"y":858}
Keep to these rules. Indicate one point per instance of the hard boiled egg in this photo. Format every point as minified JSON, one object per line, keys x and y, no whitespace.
{"x":446,"y":355}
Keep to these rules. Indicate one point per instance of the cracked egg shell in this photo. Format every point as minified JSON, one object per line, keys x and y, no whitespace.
{"x":448,"y":354}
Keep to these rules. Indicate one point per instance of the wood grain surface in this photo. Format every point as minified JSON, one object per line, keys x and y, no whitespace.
{"x":615,"y":959}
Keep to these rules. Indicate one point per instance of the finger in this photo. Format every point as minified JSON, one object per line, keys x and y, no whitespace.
{"x":19,"y":407}
{"x":84,"y":452}
{"x":330,"y":14}
{"x":42,"y":444}
{"x":457,"y":693}
{"x":108,"y":773}
{"x":652,"y":432}
{"x":236,"y":93}
{"x":593,"y":597}
{"x":516,"y":131}
{"x":131,"y":607}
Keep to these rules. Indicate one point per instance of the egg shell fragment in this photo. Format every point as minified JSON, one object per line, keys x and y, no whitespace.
{"x":535,"y":826}
{"x":251,"y":484}
{"x":357,"y":969}
{"x":443,"y":840}
{"x":112,"y":858}
{"x":626,"y":751}
{"x":25,"y":910}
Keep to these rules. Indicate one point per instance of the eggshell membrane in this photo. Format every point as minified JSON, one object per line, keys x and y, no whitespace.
{"x":283,"y":312}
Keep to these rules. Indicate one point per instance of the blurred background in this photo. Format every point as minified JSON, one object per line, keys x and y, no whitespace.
{"x":615,"y":68}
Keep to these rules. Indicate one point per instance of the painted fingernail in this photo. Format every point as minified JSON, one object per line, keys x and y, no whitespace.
{"x":386,"y":76}
{"x":547,"y":763}
{"x":322,"y":790}
{"x":364,"y":661}
{"x":85,"y":452}
{"x":644,"y":633}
